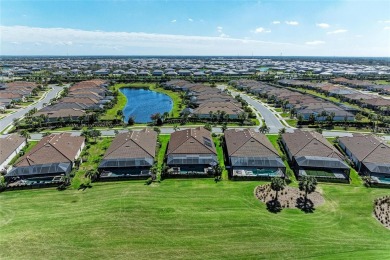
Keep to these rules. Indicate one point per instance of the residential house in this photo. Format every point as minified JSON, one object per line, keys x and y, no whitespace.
{"x":311,"y":154}
{"x":130,"y":155}
{"x":191,"y":152}
{"x":47,"y":162}
{"x":251,"y":155}
{"x":370,"y":155}
{"x":10,"y":146}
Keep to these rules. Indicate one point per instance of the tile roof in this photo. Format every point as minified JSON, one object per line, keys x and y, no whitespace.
{"x":9,"y":144}
{"x":305,"y":143}
{"x":55,"y":148}
{"x":248,"y":143}
{"x":191,"y":141}
{"x":133,"y":144}
{"x":367,"y":148}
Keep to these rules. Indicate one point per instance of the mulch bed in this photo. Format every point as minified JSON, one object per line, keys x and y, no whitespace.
{"x":288,"y":198}
{"x":382,"y":210}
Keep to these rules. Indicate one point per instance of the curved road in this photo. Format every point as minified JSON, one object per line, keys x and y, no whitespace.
{"x":269,"y":117}
{"x":6,"y":121}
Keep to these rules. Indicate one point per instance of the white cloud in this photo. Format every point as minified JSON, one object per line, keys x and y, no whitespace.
{"x":54,"y":41}
{"x":323,"y":25}
{"x":275,"y":22}
{"x":314,"y":43}
{"x":338,"y":31}
{"x":293,"y":23}
{"x":221,"y":33}
{"x":386,"y":28}
{"x":173,"y":21}
{"x":261,"y":30}
{"x":190,"y":20}
{"x":385,"y":21}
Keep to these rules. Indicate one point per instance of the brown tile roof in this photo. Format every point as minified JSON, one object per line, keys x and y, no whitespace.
{"x":191,"y":141}
{"x":134,"y":144}
{"x":9,"y":144}
{"x":305,"y":143}
{"x":249,"y":143}
{"x":21,"y":84}
{"x":367,"y":148}
{"x":55,"y":148}
{"x":73,"y":112}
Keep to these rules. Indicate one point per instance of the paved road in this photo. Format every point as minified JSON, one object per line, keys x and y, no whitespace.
{"x":169,"y":130}
{"x":6,"y":121}
{"x":269,"y":117}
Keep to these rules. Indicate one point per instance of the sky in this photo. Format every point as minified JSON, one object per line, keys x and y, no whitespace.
{"x":202,"y":27}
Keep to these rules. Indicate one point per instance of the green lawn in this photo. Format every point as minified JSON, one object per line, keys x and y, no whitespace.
{"x":274,"y":140}
{"x":164,"y":140}
{"x":292,"y":122}
{"x":95,"y":153}
{"x":220,"y":155}
{"x":192,"y":219}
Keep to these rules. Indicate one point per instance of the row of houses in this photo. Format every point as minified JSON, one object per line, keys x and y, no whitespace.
{"x":82,"y":97}
{"x":206,"y":101}
{"x":17,"y":91}
{"x":192,"y":153}
{"x":337,"y":87}
{"x":305,"y":106}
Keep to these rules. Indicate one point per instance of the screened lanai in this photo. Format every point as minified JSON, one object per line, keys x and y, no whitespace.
{"x":257,"y":166}
{"x":38,"y":174}
{"x":325,"y":167}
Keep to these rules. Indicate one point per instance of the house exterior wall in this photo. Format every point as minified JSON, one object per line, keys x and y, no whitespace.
{"x":14,"y":153}
{"x":350,"y":155}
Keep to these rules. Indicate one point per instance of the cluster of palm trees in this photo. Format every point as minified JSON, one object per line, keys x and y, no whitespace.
{"x":307,"y":184}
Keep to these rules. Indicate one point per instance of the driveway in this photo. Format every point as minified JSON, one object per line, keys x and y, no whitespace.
{"x":6,"y":121}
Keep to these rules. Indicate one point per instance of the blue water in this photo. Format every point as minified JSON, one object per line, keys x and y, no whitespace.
{"x":142,"y":103}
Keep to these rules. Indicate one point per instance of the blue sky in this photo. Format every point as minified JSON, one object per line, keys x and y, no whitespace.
{"x":120,"y":27}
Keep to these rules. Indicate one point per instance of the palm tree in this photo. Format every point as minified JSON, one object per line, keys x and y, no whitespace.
{"x":224,"y":127}
{"x":307,"y":184}
{"x":25,"y":134}
{"x":277,"y":184}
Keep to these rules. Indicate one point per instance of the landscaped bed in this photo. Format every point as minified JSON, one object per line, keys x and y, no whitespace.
{"x":382,"y":211}
{"x":290,"y":197}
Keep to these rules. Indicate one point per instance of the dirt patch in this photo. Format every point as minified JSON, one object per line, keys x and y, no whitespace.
{"x":382,"y":210}
{"x":288,"y":198}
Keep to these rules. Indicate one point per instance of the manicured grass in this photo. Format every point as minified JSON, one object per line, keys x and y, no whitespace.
{"x":274,"y":141}
{"x":220,"y":155}
{"x":164,"y":140}
{"x":292,"y":122}
{"x":192,"y":219}
{"x":120,"y":104}
{"x":285,"y":114}
{"x":95,"y":154}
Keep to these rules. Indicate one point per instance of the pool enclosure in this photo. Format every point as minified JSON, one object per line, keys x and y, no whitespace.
{"x":38,"y":174}
{"x":322,"y":167}
{"x":257,"y":167}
